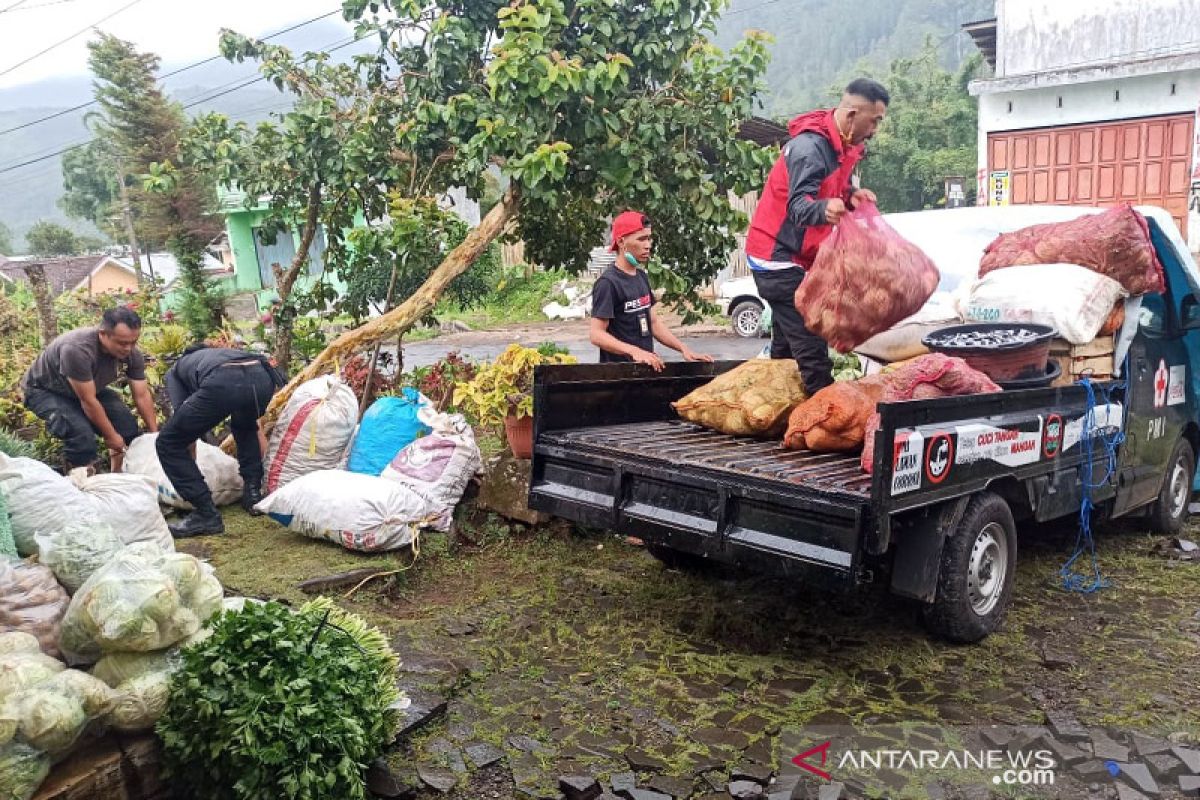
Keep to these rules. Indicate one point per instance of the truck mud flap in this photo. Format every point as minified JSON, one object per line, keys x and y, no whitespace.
{"x":771,"y":530}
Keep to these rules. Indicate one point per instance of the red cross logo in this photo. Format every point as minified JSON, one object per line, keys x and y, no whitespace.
{"x":1160,"y":385}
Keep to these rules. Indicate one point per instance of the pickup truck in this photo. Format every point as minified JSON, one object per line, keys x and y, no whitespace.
{"x":952,"y":477}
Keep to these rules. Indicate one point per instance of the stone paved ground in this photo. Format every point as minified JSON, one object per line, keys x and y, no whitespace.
{"x":536,"y":655}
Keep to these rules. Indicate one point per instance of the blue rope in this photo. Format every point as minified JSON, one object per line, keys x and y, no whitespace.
{"x":1074,"y":579}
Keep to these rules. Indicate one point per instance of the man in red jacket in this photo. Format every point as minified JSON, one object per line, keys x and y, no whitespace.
{"x":807,"y":192}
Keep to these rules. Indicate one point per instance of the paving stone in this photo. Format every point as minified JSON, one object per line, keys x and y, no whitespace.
{"x":436,"y":778}
{"x":722,"y":737}
{"x":1190,"y":785}
{"x":745,"y":790}
{"x":1066,"y":753}
{"x":759,"y":773}
{"x":761,"y":752}
{"x":1066,"y":726}
{"x":830,"y":791}
{"x":527,"y":744}
{"x":382,"y":781}
{"x":1140,"y":775}
{"x":678,"y":788}
{"x":1189,"y":757}
{"x":1125,"y":793}
{"x":1106,"y":749}
{"x":998,"y":735}
{"x":647,"y":794}
{"x":1187,"y":545}
{"x":579,"y":787}
{"x":482,"y":754}
{"x":1165,"y":766}
{"x":622,"y":782}
{"x":424,"y":707}
{"x":1054,"y":657}
{"x":1091,"y":770}
{"x":1148,"y":745}
{"x":642,"y":761}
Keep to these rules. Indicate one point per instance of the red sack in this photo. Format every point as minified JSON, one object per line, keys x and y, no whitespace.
{"x":833,"y":419}
{"x":924,"y":378}
{"x":865,"y":279}
{"x":1115,"y":243}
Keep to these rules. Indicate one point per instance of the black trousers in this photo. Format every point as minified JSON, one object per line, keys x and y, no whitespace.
{"x":790,"y":337}
{"x":65,"y":420}
{"x":239,"y":392}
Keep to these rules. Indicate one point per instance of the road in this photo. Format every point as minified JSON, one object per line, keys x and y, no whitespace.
{"x":718,"y":342}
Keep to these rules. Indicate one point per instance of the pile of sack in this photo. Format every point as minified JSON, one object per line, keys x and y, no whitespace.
{"x":371,"y":486}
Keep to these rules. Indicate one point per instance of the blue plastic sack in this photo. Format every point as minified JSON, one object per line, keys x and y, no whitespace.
{"x":389,"y":426}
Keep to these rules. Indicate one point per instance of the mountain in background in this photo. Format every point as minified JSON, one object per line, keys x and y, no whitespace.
{"x":819,"y":45}
{"x":31,"y":193}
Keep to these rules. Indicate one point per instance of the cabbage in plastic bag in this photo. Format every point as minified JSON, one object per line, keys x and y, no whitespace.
{"x":18,"y":642}
{"x":46,"y":719}
{"x":141,"y":701}
{"x":134,"y":603}
{"x":116,"y":668}
{"x":22,"y":770}
{"x":78,"y":550}
{"x":21,"y":671}
{"x":92,"y":693}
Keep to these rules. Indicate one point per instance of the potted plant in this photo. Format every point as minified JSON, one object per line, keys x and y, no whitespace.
{"x":502,"y":392}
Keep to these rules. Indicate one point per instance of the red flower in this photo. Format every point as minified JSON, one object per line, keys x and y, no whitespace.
{"x":267,"y":318}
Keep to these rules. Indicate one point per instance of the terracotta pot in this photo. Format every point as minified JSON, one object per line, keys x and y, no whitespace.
{"x":519,"y":431}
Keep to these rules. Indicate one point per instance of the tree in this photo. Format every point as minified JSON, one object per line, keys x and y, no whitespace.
{"x":90,"y":187}
{"x":930,"y":133}
{"x":141,"y":131}
{"x":585,"y":108}
{"x":48,"y":238}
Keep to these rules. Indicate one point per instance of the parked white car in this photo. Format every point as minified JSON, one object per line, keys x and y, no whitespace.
{"x":739,"y":300}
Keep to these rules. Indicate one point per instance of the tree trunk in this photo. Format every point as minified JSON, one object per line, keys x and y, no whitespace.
{"x":401,"y":318}
{"x":286,"y":281}
{"x":127,"y":218}
{"x":47,"y":321}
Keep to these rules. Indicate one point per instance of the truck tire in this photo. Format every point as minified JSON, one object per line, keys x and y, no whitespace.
{"x":975,"y":581}
{"x":1170,"y":510}
{"x":746,"y":319}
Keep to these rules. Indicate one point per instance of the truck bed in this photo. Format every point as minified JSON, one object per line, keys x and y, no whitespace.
{"x":674,"y":443}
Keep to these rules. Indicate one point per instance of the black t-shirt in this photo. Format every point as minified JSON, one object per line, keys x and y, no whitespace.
{"x":78,"y":355}
{"x":625,"y":301}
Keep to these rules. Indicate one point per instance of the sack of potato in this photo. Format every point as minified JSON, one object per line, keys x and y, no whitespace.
{"x":834,"y":420}
{"x":754,"y":399}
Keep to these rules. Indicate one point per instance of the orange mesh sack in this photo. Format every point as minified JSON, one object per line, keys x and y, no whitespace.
{"x":925,"y":378}
{"x":1115,"y":243}
{"x":835,"y":418}
{"x":865,"y":279}
{"x":754,"y":399}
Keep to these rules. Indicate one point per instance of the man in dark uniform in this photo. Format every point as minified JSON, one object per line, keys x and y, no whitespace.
{"x":67,"y":386}
{"x":206,"y":385}
{"x":624,"y":325}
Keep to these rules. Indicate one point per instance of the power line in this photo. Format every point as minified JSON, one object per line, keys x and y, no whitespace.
{"x":61,"y":42}
{"x":164,"y":76}
{"x":31,"y":8}
{"x":77,"y":145}
{"x":10,"y":8}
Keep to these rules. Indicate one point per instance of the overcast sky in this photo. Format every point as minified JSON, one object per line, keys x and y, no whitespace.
{"x":180,"y":31}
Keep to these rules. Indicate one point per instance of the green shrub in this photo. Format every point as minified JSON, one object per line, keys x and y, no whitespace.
{"x":280,"y":704}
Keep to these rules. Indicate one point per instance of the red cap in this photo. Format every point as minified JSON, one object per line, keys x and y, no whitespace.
{"x":627,"y":222}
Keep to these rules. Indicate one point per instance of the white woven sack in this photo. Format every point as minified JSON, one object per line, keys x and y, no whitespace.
{"x":359,"y":512}
{"x":39,"y":500}
{"x":1073,"y":300}
{"x":129,"y":505}
{"x":439,"y":465}
{"x":313,"y":431}
{"x":220,"y":471}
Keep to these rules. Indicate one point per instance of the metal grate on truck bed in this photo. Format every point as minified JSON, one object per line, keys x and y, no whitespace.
{"x":684,"y":444}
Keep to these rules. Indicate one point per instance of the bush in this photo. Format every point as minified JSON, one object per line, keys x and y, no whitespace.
{"x":280,"y":704}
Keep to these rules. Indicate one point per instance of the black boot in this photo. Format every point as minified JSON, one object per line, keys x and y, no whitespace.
{"x":204,"y":520}
{"x":251,"y":496}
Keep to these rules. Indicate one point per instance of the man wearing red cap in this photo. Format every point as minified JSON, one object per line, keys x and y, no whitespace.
{"x":624,"y":325}
{"x":807,"y":192}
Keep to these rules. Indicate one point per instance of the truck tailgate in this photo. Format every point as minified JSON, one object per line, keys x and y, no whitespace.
{"x":734,"y":499}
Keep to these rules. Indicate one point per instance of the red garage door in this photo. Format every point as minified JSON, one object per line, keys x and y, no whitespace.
{"x":1144,"y":161}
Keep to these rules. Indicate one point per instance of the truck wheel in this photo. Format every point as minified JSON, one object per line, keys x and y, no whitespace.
{"x":746,"y":318}
{"x":978,"y":567}
{"x":1169,"y":511}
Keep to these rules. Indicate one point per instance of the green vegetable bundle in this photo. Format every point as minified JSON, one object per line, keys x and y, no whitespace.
{"x":278,"y":703}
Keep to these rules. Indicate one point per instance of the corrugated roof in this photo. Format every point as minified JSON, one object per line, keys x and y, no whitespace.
{"x":62,"y":274}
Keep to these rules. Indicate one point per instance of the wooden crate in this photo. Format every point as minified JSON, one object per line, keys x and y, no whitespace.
{"x":1094,"y":359}
{"x":117,"y":766}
